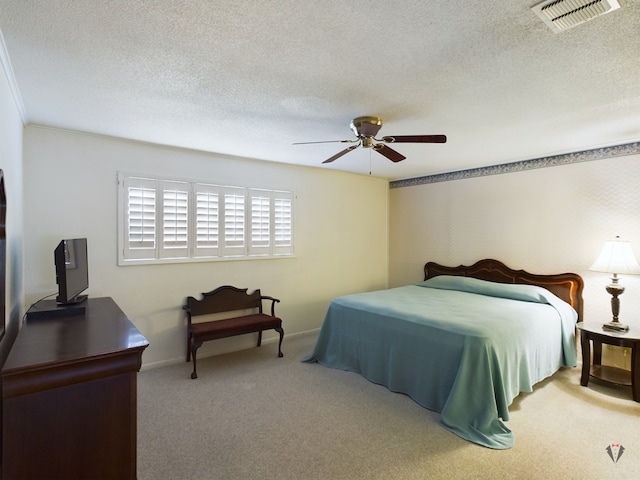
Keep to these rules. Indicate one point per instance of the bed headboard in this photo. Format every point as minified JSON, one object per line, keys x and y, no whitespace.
{"x":567,"y":286}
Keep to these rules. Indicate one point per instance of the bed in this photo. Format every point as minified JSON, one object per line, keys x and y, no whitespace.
{"x":464,"y":342}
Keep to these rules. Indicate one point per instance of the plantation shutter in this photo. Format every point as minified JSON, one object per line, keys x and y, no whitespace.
{"x":207,"y":220}
{"x":140,"y":224}
{"x":233,"y":214}
{"x":179,"y":220}
{"x":260,"y":222}
{"x":271,"y":222}
{"x":174,"y":220}
{"x":283,"y":223}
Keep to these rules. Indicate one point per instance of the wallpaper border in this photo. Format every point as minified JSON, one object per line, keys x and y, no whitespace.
{"x":544,"y":162}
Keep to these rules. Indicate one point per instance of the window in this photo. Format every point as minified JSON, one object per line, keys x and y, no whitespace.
{"x":170,"y":220}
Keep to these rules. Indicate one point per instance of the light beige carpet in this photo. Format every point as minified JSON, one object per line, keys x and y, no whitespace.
{"x":251,"y":415}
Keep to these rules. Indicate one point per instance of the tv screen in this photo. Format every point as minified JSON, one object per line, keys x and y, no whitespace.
{"x":72,"y":271}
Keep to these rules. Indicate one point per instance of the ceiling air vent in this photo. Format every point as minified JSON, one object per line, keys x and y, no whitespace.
{"x":560,"y":15}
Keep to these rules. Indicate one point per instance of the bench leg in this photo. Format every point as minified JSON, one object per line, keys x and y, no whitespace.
{"x":260,"y":338}
{"x":281,"y":332}
{"x":189,"y":340}
{"x":194,"y":348}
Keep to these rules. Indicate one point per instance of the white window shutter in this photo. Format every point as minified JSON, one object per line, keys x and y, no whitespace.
{"x":140,"y":221}
{"x":271,"y":222}
{"x":283,"y":224}
{"x":178,"y":220}
{"x":260,"y":230}
{"x":207,"y":220}
{"x":233,"y":215}
{"x":174,"y":220}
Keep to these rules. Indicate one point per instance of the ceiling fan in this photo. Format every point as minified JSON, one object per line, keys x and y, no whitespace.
{"x":366,"y":128}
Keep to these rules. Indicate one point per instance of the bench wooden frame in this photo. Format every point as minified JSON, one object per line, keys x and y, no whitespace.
{"x":228,"y":299}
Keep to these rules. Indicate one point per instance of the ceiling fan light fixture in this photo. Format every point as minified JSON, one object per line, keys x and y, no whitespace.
{"x":560,"y":15}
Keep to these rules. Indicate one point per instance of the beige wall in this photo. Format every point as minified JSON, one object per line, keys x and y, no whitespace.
{"x":340,"y":233}
{"x":548,"y":220}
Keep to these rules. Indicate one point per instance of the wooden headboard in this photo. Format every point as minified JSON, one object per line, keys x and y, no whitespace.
{"x":567,"y":286}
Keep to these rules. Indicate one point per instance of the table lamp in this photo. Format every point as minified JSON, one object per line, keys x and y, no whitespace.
{"x":616,"y":258}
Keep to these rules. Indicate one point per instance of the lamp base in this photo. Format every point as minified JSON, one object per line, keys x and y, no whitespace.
{"x":615,"y":327}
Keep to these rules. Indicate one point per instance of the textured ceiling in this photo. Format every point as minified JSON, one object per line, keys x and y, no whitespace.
{"x":249,"y":78}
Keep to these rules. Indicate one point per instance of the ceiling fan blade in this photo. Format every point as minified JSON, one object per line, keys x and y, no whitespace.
{"x":327,"y":141}
{"x":339,"y":154}
{"x":390,"y":153}
{"x":415,"y":139}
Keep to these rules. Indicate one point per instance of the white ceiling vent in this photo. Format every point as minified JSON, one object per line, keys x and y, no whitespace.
{"x":561,"y":15}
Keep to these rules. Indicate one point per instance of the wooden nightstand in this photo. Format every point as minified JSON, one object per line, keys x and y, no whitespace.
{"x":593,"y":332}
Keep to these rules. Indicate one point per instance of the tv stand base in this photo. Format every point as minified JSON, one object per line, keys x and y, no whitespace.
{"x":52,"y":309}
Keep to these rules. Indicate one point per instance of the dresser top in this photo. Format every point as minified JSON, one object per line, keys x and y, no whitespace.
{"x":103,"y":330}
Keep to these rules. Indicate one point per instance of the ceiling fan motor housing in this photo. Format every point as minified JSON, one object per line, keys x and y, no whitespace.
{"x":366,"y":126}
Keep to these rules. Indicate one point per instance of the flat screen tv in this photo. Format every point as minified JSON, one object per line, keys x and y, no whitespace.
{"x":72,"y":271}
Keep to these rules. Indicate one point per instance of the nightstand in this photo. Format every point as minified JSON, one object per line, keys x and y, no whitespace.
{"x":593,"y":332}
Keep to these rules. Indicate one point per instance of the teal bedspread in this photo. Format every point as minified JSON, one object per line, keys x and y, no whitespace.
{"x":456,"y":345}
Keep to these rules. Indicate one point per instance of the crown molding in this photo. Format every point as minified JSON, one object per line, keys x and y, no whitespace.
{"x":11,"y":80}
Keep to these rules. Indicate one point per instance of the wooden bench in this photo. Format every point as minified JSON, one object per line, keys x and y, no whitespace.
{"x":223,"y":300}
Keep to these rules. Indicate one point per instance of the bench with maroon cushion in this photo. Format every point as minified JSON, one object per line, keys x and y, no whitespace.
{"x":228,"y":299}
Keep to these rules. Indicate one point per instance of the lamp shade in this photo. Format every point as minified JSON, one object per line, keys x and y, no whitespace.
{"x":616,"y":257}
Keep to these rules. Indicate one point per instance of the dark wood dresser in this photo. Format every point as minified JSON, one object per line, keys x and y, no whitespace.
{"x":69,"y":396}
